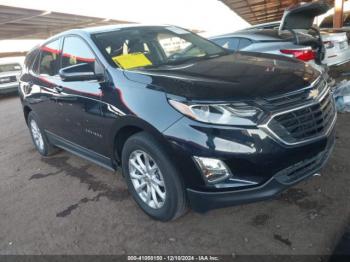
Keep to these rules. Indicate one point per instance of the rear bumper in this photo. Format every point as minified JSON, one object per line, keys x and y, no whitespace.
{"x":337,"y":58}
{"x":204,"y":201}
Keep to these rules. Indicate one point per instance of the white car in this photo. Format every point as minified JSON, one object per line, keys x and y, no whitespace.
{"x":10,"y":70}
{"x":337,"y":48}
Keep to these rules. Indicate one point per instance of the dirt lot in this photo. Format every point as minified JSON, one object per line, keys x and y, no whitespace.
{"x":66,"y":205}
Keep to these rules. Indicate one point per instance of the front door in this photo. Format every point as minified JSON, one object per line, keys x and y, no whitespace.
{"x":80,"y":101}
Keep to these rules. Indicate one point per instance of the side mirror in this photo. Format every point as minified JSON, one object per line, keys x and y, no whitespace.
{"x":81,"y":72}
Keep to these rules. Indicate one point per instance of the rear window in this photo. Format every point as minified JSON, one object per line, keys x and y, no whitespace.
{"x":10,"y":67}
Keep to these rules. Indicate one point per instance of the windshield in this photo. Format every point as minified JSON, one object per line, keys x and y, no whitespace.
{"x":148,"y":47}
{"x":10,"y":68}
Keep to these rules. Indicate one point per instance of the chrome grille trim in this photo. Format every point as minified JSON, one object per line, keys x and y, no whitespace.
{"x":265,"y":126}
{"x":298,"y":97}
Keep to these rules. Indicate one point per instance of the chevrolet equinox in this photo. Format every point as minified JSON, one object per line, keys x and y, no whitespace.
{"x":188,"y":122}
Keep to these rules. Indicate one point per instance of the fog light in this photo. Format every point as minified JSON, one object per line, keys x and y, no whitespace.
{"x":213,"y":170}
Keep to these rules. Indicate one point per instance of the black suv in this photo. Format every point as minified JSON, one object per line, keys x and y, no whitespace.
{"x":189,"y":122}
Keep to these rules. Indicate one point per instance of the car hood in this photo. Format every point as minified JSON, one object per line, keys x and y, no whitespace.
{"x":12,"y":73}
{"x":241,"y":75}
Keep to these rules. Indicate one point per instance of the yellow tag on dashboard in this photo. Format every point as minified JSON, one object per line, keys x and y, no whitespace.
{"x":131,"y":60}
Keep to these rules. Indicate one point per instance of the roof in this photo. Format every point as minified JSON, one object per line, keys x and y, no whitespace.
{"x":259,"y":35}
{"x":23,"y":23}
{"x":98,"y":29}
{"x":268,"y":35}
{"x":261,"y":11}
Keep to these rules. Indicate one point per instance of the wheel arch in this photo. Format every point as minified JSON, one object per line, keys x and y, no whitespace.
{"x":26,"y":111}
{"x":128,"y":127}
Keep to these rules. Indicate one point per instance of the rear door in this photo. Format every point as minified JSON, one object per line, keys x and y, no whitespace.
{"x":45,"y":78}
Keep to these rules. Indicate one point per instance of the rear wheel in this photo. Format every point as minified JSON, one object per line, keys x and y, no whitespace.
{"x":152,"y":179}
{"x":39,"y":138}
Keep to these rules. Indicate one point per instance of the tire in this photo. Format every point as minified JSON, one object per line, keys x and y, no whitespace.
{"x":174,"y":203}
{"x":37,"y":133}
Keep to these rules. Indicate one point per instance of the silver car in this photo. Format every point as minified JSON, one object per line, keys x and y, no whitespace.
{"x":10,"y":69}
{"x":269,"y":41}
{"x":335,"y":42}
{"x":293,"y":36}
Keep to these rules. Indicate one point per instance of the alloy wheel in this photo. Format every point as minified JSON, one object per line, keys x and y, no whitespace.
{"x":37,"y":136}
{"x":147,"y":179}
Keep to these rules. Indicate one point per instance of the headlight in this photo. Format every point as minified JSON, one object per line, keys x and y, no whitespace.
{"x":224,"y":114}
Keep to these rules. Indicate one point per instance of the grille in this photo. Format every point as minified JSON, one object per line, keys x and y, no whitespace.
{"x":305,"y":123}
{"x":8,"y":79}
{"x":294,"y":98}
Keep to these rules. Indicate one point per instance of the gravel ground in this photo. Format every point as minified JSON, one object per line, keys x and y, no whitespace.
{"x":66,"y":205}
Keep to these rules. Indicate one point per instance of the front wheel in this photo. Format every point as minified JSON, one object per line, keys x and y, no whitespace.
{"x":152,"y":179}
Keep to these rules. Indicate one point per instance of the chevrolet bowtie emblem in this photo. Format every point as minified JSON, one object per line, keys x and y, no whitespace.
{"x":313,"y":94}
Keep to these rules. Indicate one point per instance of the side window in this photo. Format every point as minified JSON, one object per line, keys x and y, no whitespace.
{"x":229,"y":43}
{"x":327,"y":22}
{"x":346,"y":19}
{"x":243,"y":43}
{"x":49,"y":58}
{"x":76,"y":51}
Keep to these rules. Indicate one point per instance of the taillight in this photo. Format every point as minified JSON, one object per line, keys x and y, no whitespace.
{"x":304,"y":55}
{"x":328,"y":44}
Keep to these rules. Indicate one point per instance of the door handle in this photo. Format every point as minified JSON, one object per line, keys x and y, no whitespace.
{"x":58,"y":89}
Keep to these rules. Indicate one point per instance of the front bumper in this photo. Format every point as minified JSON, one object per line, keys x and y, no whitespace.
{"x":9,"y":88}
{"x":201,"y":201}
{"x":261,"y":166}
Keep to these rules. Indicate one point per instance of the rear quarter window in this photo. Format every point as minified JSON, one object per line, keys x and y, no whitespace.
{"x":228,"y":42}
{"x":243,"y":43}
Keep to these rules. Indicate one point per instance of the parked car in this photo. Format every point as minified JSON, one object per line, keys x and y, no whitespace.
{"x":206,"y":128}
{"x":326,"y":25}
{"x":336,"y":48}
{"x":270,"y":41}
{"x":282,"y":43}
{"x":10,"y":70}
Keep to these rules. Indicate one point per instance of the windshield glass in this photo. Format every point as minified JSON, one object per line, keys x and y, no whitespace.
{"x":10,"y":68}
{"x":148,"y":47}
